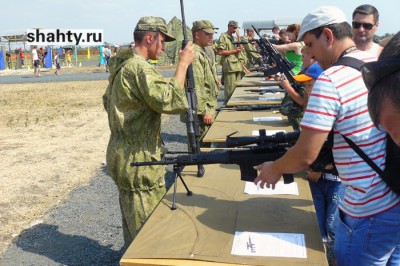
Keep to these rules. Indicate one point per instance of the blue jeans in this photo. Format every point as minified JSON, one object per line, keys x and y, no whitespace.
{"x":327,"y":196}
{"x":373,"y":240}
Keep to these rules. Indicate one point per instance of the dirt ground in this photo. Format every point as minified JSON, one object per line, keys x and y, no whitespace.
{"x":53,"y":138}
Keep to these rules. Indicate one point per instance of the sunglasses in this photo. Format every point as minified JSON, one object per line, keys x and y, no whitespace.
{"x":357,"y":25}
{"x":374,"y":72}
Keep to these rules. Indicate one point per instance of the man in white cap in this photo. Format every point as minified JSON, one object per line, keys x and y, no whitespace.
{"x":367,"y":232}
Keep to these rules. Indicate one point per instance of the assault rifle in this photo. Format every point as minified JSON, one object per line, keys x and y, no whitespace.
{"x":251,"y":107}
{"x":192,"y":123}
{"x":282,"y":64}
{"x":268,"y":148}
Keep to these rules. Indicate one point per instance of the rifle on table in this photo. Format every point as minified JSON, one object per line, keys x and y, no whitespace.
{"x":267,"y":90}
{"x":251,"y":107}
{"x":268,"y":148}
{"x":192,"y":123}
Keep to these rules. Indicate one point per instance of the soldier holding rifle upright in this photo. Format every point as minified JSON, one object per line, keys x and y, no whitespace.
{"x":231,"y":66}
{"x":136,"y":96}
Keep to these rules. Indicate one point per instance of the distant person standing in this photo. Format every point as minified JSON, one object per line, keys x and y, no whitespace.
{"x":231,"y":66}
{"x":21,"y":57}
{"x":107,"y":55}
{"x":57,"y":62}
{"x":364,"y":25}
{"x":36,"y":62}
{"x":68,"y":58}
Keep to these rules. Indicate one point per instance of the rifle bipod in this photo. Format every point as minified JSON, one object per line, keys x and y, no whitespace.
{"x":177,"y":171}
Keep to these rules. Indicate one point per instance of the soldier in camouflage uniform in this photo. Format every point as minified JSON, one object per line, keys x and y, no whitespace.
{"x":231,"y":66}
{"x":135,"y":98}
{"x":250,"y":48}
{"x":204,"y":71}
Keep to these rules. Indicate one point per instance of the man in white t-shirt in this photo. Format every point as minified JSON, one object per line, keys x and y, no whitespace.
{"x":365,"y":23}
{"x":36,"y":62}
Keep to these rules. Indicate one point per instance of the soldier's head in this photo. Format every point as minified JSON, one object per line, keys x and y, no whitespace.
{"x":365,"y":23}
{"x":250,"y":32}
{"x":203,"y":33}
{"x":232,"y":26}
{"x":151,"y":34}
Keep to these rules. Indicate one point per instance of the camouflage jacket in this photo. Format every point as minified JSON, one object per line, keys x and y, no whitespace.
{"x":134,"y":100}
{"x":249,"y":47}
{"x":210,"y":52}
{"x":205,"y":82}
{"x":229,"y":63}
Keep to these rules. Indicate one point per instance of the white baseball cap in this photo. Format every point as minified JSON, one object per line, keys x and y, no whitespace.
{"x":321,"y":16}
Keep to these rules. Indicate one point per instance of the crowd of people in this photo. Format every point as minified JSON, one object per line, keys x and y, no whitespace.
{"x":358,"y":213}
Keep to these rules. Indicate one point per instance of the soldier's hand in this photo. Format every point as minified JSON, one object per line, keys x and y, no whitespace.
{"x":238,"y":49}
{"x":187,"y":55}
{"x":237,"y":32}
{"x":208,"y":119}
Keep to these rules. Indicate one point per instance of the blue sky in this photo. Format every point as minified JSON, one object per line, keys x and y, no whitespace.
{"x":118,"y":17}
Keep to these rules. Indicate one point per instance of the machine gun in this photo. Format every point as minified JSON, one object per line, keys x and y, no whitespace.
{"x":251,"y":107}
{"x":192,"y":123}
{"x":267,"y":148}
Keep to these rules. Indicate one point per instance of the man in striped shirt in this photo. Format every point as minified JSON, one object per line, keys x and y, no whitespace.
{"x":367,"y":231}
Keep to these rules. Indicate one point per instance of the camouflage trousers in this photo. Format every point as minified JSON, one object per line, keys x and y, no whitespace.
{"x":295,"y":122}
{"x":136,"y":207}
{"x":230,"y":82}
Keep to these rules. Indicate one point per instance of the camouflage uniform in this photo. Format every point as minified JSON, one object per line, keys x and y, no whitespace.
{"x":210,"y":52}
{"x":231,"y":66}
{"x":206,"y":87}
{"x":251,"y":56}
{"x":134,"y":100}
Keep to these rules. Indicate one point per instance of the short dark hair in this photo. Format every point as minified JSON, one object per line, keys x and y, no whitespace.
{"x":339,"y":30}
{"x":389,"y":86}
{"x":367,"y":10}
{"x":139,"y":35}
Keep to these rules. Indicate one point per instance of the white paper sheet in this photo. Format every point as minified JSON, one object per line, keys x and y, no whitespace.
{"x":280,"y":189}
{"x":270,"y":99}
{"x":267,"y":119}
{"x":269,"y":245}
{"x":267,"y":132}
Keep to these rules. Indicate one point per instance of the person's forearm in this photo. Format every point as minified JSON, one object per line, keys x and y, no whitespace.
{"x":296,"y":96}
{"x":227,"y":52}
{"x":303,"y":153}
{"x":180,"y":73}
